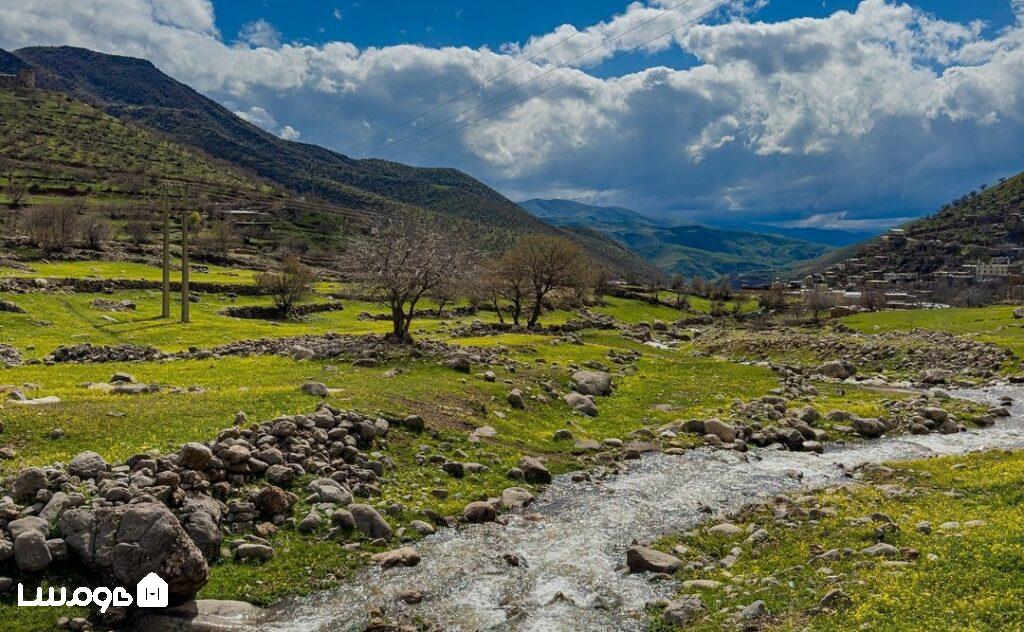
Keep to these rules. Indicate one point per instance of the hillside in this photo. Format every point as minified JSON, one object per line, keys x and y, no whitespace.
{"x":978,"y":226}
{"x":61,"y":147}
{"x":690,"y":250}
{"x":135,"y":90}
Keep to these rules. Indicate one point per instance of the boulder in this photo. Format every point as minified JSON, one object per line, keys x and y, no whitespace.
{"x":272,"y":500}
{"x":28,"y":481}
{"x":405,"y":556}
{"x":87,"y":465}
{"x":681,"y":611}
{"x":479,"y":512}
{"x":194,"y":456}
{"x":641,"y":559}
{"x":516,"y":399}
{"x":316,"y":389}
{"x":838,"y":369}
{"x":596,"y":383}
{"x":370,"y":522}
{"x":329,"y":490}
{"x":516,"y":497}
{"x":534,"y":471}
{"x":724,"y":431}
{"x":868,"y":427}
{"x":31,"y":553}
{"x":254,"y":551}
{"x":128,"y":542}
{"x":582,"y":404}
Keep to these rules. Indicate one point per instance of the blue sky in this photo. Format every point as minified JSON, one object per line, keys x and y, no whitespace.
{"x":492,"y":24}
{"x":852,"y":114}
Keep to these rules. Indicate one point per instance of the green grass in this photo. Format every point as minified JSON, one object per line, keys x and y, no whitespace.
{"x":986,"y":324}
{"x":973,"y":582}
{"x":127,"y":270}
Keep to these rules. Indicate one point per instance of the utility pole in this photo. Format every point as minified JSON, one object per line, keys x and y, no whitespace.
{"x":166,"y":288}
{"x":185,"y":221}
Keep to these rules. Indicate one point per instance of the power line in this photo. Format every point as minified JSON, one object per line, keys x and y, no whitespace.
{"x":517,"y":86}
{"x":581,"y":72}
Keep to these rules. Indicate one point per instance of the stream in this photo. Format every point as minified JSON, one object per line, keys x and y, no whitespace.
{"x":572,"y":540}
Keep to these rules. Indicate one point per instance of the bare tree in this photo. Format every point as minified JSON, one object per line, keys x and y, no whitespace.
{"x":773,"y":299}
{"x":53,"y":228}
{"x":16,"y":191}
{"x":816,"y":301}
{"x":506,"y":282}
{"x":289,"y":284}
{"x":138,"y":229}
{"x":406,"y":259}
{"x":550,"y":263}
{"x":679,"y":287}
{"x":220,"y":238}
{"x":602,"y":283}
{"x":96,"y":230}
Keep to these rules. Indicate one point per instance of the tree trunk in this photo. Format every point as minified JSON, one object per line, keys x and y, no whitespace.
{"x":397,"y":321}
{"x":184,"y":270}
{"x":166,"y":288}
{"x":501,"y":317}
{"x":535,"y":311}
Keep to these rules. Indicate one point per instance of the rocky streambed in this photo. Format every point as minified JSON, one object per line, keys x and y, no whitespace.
{"x":560,"y":564}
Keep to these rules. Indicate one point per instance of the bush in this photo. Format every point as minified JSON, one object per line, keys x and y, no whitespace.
{"x":289,"y":284}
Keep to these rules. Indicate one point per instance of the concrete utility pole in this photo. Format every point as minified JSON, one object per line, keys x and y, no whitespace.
{"x":166,"y":289}
{"x":185,"y":221}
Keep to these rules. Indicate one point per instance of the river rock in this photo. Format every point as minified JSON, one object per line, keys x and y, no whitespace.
{"x":726,"y":529}
{"x":317,"y":389}
{"x":254,"y":551}
{"x":370,"y":522}
{"x":682,"y":610}
{"x":868,"y":427}
{"x":534,"y":471}
{"x":516,"y":497}
{"x":724,"y":431}
{"x":641,"y":559}
{"x":516,"y":399}
{"x":582,"y":404}
{"x":405,"y":556}
{"x":479,"y":512}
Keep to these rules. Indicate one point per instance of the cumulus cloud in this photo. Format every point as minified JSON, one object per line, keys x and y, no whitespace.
{"x":260,"y":34}
{"x":263,"y":119}
{"x":883,"y":110}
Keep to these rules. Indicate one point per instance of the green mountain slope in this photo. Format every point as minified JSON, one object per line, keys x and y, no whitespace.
{"x":62,"y":147}
{"x":690,"y":250}
{"x":135,"y":90}
{"x":976,"y":227}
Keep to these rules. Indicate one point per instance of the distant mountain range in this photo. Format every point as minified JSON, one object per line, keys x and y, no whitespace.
{"x":691,"y":249}
{"x":826,"y":236}
{"x":134,"y":90}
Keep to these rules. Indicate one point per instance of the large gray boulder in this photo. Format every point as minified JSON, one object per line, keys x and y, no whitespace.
{"x":597,"y":383}
{"x":31,"y":553}
{"x":681,"y":611}
{"x":724,"y":431}
{"x":641,"y":559}
{"x":27,"y":482}
{"x":869,"y":427}
{"x":838,"y":369}
{"x":87,"y":465}
{"x":534,"y":471}
{"x":370,"y":522}
{"x":128,"y":542}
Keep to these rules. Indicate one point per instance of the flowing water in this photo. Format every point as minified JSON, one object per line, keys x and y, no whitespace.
{"x":572,"y":541}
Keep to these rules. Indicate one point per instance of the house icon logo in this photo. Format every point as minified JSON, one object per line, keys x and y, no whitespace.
{"x":151,"y":592}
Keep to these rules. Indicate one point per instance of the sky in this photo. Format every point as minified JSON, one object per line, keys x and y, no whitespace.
{"x":847,"y":114}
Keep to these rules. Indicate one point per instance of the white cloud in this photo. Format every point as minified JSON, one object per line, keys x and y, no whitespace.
{"x":260,"y":33}
{"x":885,"y":109}
{"x":265,"y":121}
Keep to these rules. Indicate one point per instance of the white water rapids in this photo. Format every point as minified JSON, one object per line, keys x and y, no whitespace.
{"x":572,"y":540}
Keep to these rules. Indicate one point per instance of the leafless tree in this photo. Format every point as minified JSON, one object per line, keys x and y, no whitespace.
{"x":407,"y":258}
{"x":816,"y":301}
{"x":773,"y":299}
{"x":220,"y":238}
{"x":16,"y":191}
{"x":288,"y":284}
{"x":602,"y":283}
{"x":95,"y":229}
{"x":138,"y":229}
{"x":53,"y":227}
{"x":550,"y":263}
{"x":506,"y":285}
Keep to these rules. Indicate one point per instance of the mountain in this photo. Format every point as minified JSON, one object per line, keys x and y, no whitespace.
{"x":135,"y":90}
{"x":824,"y":236}
{"x":986,"y":223}
{"x":690,"y":250}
